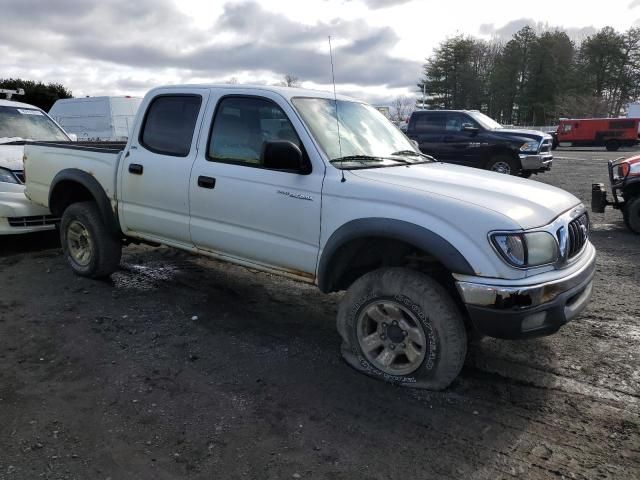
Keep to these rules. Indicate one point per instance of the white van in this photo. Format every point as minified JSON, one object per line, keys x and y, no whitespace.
{"x":97,"y":118}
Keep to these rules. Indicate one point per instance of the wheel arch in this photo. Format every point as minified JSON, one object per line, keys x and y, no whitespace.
{"x":74,"y":185}
{"x":345,"y":244}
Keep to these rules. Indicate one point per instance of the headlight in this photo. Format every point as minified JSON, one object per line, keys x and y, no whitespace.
{"x":7,"y":176}
{"x":530,"y":147}
{"x":524,"y":250}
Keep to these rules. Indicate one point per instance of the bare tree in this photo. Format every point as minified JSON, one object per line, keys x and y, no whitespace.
{"x":401,"y":108}
{"x":289,"y":81}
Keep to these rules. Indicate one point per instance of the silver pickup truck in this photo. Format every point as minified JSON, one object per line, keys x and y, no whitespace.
{"x":262,"y":176}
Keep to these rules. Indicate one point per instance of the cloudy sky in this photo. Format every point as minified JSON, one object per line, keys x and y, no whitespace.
{"x":124,"y":47}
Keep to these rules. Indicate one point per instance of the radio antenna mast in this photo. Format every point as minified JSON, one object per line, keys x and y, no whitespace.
{"x":335,"y":104}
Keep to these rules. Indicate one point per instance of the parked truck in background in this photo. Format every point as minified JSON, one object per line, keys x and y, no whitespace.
{"x":263,"y":177}
{"x":468,"y":137}
{"x":611,"y":133}
{"x":97,"y":118}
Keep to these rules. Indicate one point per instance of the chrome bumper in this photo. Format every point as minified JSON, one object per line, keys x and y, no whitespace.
{"x":540,"y":161}
{"x":527,"y":310}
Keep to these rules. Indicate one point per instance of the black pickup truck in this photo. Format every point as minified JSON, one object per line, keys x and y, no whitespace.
{"x":468,"y":137}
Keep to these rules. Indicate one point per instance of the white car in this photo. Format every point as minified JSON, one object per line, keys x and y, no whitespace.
{"x":20,"y":122}
{"x":263,"y":177}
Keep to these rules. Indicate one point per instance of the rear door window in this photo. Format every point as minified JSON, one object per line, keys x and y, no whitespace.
{"x":169,"y":124}
{"x":429,"y":122}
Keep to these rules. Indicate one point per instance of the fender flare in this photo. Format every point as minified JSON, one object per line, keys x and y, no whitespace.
{"x":410,"y":233}
{"x":89,"y":182}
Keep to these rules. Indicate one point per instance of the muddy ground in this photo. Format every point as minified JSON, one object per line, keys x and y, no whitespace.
{"x":183,"y":367}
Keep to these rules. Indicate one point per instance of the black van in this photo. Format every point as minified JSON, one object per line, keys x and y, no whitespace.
{"x":468,"y":137}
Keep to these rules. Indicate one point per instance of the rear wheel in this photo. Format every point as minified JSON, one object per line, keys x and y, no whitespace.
{"x":89,"y":247}
{"x":632,"y":214}
{"x":612,"y":145}
{"x":401,"y":326}
{"x":503,"y":164}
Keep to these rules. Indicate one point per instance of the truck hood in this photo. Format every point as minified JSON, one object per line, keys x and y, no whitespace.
{"x":528,"y":203}
{"x":514,"y":132}
{"x":11,"y":156}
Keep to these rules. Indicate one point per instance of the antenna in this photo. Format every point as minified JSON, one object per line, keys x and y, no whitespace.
{"x":335,"y":104}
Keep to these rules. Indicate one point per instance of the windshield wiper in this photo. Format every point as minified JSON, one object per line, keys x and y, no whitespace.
{"x":12,"y":140}
{"x":413,"y":153}
{"x":357,"y":158}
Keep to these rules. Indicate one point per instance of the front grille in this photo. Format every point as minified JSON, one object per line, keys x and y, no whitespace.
{"x":36,"y":221}
{"x":546,"y":146}
{"x":19,"y":174}
{"x":578,"y":233}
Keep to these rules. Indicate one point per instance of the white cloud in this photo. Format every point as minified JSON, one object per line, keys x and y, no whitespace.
{"x":125,"y":47}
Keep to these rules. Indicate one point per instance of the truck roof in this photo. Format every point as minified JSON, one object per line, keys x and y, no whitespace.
{"x":11,"y":103}
{"x":95,"y":99}
{"x":598,"y":119}
{"x":286,"y":92}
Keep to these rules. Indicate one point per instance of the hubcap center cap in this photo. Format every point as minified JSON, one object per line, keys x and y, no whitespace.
{"x":395,"y":333}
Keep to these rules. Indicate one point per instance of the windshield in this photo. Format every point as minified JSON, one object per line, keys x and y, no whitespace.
{"x":487,"y":122}
{"x":366,"y":136}
{"x":17,"y":123}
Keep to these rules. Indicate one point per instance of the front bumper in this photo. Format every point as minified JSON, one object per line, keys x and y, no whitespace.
{"x":18,"y":214}
{"x":540,"y":162}
{"x":520,"y":311}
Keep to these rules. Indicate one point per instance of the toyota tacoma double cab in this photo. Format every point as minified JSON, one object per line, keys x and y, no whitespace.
{"x":469,"y":137}
{"x":327,"y":191}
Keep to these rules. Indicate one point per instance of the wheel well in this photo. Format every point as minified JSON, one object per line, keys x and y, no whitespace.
{"x":67,"y":192}
{"x":499,"y":152}
{"x":362,"y":255}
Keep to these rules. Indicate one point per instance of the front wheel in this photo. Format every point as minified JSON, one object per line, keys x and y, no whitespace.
{"x":401,"y":326}
{"x":632,"y":214}
{"x":503,"y":164}
{"x":89,"y":247}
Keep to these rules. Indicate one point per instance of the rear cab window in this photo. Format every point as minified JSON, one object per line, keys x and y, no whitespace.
{"x":425,"y":122}
{"x":169,"y":124}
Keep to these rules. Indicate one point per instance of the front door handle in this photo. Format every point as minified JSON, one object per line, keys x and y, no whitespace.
{"x":136,"y":168}
{"x":206,"y":182}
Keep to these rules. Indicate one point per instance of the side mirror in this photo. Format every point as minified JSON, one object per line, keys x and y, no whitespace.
{"x":282,"y":155}
{"x":469,"y":127}
{"x":73,"y":137}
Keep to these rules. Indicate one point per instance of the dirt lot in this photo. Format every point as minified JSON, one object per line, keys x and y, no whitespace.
{"x":182,"y":367}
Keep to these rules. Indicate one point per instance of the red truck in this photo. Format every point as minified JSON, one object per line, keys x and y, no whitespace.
{"x":611,"y":133}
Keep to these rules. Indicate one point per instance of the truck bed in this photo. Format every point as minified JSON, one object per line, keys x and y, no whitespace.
{"x":44,"y":160}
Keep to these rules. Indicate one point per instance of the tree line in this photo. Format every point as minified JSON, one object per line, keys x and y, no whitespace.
{"x":535,"y":78}
{"x":35,"y":93}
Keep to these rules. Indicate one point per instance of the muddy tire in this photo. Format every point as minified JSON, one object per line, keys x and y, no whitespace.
{"x":632,"y":214}
{"x":89,"y":247}
{"x":401,"y":326}
{"x":612,"y":145}
{"x":503,"y":164}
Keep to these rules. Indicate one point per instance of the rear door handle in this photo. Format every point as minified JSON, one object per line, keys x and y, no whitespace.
{"x":206,"y":182}
{"x":136,"y":168}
